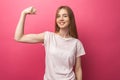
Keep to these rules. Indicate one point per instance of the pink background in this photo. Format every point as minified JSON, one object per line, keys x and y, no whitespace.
{"x":98,"y":23}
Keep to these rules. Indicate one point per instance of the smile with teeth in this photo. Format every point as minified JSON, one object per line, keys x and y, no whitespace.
{"x":61,"y":23}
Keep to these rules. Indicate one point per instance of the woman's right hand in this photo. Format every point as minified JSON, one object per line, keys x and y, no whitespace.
{"x":29,"y":10}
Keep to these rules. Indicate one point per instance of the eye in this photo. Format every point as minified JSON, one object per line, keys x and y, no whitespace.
{"x":65,"y":15}
{"x":58,"y":16}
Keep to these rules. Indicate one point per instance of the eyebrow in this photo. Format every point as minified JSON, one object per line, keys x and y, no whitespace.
{"x":63,"y":14}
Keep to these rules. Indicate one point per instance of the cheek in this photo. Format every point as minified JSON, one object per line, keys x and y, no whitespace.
{"x":68,"y":21}
{"x":57,"y":20}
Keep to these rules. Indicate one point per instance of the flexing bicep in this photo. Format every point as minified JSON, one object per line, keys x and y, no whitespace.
{"x":32,"y":38}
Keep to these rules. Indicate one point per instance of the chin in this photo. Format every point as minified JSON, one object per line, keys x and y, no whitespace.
{"x":62,"y":27}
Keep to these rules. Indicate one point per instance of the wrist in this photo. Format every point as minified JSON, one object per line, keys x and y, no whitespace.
{"x":23,"y":13}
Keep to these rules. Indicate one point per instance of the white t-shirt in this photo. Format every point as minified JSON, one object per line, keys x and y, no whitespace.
{"x":60,"y":56}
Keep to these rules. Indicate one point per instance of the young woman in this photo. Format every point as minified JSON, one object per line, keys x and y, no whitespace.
{"x":63,"y":49}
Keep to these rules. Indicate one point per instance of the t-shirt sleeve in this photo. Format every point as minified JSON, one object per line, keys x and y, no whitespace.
{"x":46,"y":38}
{"x":80,"y":49}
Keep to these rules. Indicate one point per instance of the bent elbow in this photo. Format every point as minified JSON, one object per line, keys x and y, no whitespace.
{"x":17,"y":39}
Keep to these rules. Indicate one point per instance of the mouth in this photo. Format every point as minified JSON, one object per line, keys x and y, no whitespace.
{"x":61,"y":23}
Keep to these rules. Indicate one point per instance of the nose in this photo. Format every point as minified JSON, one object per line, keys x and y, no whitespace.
{"x":61,"y":18}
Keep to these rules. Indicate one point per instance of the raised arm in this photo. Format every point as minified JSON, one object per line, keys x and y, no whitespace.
{"x":19,"y":33}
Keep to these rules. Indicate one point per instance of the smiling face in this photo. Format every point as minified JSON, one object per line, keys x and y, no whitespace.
{"x":63,"y":19}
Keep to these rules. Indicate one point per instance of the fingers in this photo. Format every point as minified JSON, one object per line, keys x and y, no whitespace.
{"x":29,"y":10}
{"x":32,"y":10}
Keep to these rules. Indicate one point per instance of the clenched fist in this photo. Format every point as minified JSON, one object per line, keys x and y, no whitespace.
{"x":29,"y":10}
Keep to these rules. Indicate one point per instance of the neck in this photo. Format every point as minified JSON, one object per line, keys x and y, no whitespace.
{"x":64,"y":33}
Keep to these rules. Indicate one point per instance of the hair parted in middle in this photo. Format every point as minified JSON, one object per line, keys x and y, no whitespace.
{"x":72,"y":25}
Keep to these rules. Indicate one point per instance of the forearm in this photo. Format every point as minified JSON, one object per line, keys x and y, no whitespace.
{"x":78,"y":74}
{"x":20,"y":27}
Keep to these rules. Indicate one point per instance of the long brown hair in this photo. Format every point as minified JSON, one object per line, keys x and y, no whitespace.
{"x":72,"y":25}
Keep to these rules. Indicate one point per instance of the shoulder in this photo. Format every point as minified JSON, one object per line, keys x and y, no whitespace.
{"x":48,"y":32}
{"x":78,"y":42}
{"x":47,"y":36}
